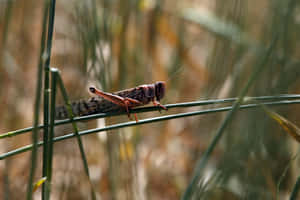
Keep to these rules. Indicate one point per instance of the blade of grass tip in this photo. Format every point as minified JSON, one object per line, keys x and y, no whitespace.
{"x":18,"y":132}
{"x":70,"y":112}
{"x":47,"y":57}
{"x":295,"y":191}
{"x":37,"y":105}
{"x":219,"y":133}
{"x":287,"y":125}
{"x":39,"y":183}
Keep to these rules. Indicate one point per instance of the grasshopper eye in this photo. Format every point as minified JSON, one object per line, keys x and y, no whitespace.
{"x":92,"y":89}
{"x":160,"y":88}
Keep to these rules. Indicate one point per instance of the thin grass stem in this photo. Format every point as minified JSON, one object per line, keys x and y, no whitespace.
{"x":219,"y":133}
{"x":295,"y":191}
{"x":45,"y":187}
{"x":147,"y":121}
{"x":70,"y":112}
{"x":37,"y":105}
{"x":154,"y":108}
{"x":49,"y":156}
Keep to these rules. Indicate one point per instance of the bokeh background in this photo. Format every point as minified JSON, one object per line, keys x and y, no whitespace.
{"x":203,"y":49}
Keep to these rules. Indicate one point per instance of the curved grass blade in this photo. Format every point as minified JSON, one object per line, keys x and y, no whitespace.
{"x":285,"y":172}
{"x":38,"y":184}
{"x":287,"y":125}
{"x":219,"y":133}
{"x":154,"y":108}
{"x":146,"y":121}
{"x":295,"y":191}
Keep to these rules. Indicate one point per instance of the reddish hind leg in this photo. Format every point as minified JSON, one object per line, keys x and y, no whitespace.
{"x":124,"y":102}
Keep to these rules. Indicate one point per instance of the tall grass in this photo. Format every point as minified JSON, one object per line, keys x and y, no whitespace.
{"x":204,"y":51}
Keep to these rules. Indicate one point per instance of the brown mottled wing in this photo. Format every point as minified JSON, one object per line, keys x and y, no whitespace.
{"x":97,"y":104}
{"x":86,"y":107}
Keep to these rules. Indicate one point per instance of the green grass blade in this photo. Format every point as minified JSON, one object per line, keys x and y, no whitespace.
{"x":49,"y":144}
{"x":37,"y":105}
{"x":219,"y":133}
{"x":295,"y":191}
{"x":45,"y":192}
{"x":35,"y":131}
{"x":70,"y":112}
{"x":147,"y":121}
{"x":154,"y":108}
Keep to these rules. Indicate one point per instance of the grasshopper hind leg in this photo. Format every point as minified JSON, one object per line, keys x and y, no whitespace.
{"x":127,"y":103}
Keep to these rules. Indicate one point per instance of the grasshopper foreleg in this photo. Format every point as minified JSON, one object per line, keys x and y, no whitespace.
{"x":156,"y":103}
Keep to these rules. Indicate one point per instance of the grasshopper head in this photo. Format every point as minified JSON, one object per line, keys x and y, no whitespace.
{"x":160,"y":87}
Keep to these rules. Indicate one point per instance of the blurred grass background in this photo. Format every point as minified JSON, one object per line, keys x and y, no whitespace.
{"x":202,"y":49}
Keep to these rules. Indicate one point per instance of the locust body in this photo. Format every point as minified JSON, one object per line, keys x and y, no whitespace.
{"x":115,"y":102}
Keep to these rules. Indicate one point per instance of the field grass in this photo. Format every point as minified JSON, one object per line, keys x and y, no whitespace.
{"x":232,"y":73}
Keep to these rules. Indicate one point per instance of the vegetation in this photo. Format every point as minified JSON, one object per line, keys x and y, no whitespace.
{"x":232,"y":72}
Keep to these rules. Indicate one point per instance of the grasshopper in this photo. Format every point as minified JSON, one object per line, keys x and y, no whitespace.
{"x":124,"y":100}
